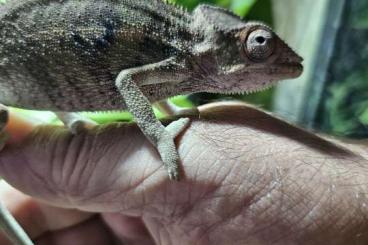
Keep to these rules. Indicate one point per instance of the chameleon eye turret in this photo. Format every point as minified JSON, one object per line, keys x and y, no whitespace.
{"x":259,"y":45}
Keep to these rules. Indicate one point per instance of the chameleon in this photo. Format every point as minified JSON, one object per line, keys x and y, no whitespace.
{"x":69,"y":56}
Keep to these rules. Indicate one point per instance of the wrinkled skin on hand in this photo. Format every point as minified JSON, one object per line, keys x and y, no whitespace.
{"x":249,"y":179}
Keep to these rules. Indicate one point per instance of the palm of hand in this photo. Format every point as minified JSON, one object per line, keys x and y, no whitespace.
{"x":233,"y":192}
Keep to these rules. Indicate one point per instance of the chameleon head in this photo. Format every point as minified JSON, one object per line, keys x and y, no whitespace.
{"x":247,"y":56}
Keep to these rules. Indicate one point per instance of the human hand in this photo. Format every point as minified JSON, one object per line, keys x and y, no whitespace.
{"x":248,"y":179}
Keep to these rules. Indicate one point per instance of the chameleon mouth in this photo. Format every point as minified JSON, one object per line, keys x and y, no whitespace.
{"x":257,"y":88}
{"x":294,"y":70}
{"x":260,"y":79}
{"x":283,"y":71}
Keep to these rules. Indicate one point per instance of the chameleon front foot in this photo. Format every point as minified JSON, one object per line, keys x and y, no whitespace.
{"x":170,"y":157}
{"x":167,"y":149}
{"x":128,"y":84}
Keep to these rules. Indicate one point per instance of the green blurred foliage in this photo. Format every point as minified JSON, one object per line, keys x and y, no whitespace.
{"x":240,"y":7}
{"x":344,"y":106}
{"x":360,"y":18}
{"x":347,"y":106}
{"x":261,"y":11}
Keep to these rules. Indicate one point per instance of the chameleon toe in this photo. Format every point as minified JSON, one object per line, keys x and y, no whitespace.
{"x":169,"y":155}
{"x":174,"y":175}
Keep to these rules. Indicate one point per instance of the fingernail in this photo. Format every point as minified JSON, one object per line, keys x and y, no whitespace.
{"x":18,"y":127}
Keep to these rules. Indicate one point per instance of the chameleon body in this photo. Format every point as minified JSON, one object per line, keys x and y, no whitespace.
{"x":83,"y":55}
{"x":92,"y":55}
{"x":65,"y":55}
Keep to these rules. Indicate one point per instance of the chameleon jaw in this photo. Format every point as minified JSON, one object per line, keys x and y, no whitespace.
{"x":245,"y":80}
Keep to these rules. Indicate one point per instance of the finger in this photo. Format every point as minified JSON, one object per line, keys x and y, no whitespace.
{"x":37,"y":218}
{"x":19,"y":126}
{"x":46,"y":224}
{"x":129,"y":230}
{"x":241,"y":166}
{"x":92,"y":170}
{"x":11,"y":228}
{"x":91,"y":232}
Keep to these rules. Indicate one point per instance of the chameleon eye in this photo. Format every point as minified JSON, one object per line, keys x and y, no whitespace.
{"x":259,"y":45}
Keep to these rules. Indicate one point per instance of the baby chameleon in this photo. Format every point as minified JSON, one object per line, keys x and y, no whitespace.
{"x":92,"y":55}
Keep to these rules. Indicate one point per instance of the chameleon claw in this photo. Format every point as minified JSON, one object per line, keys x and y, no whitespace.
{"x":169,"y":155}
{"x":172,"y":166}
{"x":173,"y":175}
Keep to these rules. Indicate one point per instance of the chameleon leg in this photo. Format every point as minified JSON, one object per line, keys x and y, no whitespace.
{"x":75,"y":121}
{"x":7,"y":222}
{"x":141,"y":109}
{"x":171,"y":109}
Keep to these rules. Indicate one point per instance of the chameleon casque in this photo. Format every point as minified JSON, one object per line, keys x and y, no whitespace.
{"x":93,"y":55}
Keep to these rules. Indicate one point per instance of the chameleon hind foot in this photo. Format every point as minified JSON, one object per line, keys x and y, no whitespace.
{"x":75,"y":122}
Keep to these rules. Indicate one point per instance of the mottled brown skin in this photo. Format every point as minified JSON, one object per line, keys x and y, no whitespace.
{"x":65,"y":55}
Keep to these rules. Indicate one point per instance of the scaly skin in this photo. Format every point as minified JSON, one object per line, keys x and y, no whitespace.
{"x":66,"y":55}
